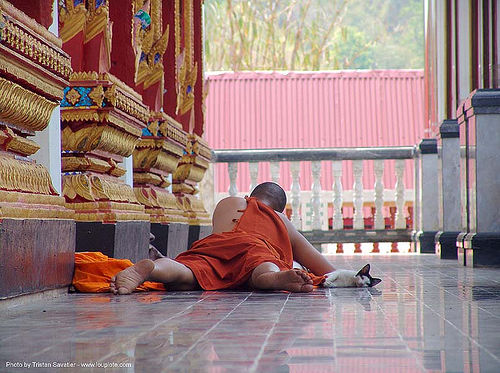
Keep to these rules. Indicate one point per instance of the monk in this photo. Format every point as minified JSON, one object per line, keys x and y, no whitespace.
{"x":252,"y":246}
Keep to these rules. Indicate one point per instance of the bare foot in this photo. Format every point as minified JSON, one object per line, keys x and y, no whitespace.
{"x":293,"y":280}
{"x":154,"y":253}
{"x":127,"y":280}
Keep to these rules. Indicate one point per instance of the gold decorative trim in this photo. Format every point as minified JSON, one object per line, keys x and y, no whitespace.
{"x":94,"y":137}
{"x":70,"y":163}
{"x":72,"y":20}
{"x":31,"y":77}
{"x":95,"y":187}
{"x":9,"y":141}
{"x":97,"y":95}
{"x":123,"y":86}
{"x":17,"y":175}
{"x":97,"y":21}
{"x":24,"y":41}
{"x":79,"y":76}
{"x":29,"y":22}
{"x":24,"y":108}
{"x":69,"y":114}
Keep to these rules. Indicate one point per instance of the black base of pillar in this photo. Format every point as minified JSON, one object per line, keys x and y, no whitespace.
{"x":170,"y":239}
{"x":425,"y":242}
{"x":482,"y":249}
{"x":35,"y":255}
{"x":446,"y":244}
{"x":122,"y":240}
{"x":197,"y":232}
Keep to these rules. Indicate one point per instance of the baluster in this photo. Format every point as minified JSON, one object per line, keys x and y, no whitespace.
{"x":338,"y":221}
{"x":275,"y":171}
{"x":378,"y":166}
{"x":358,"y":221}
{"x":316,"y":190}
{"x":254,"y":173}
{"x":232,"y":169}
{"x":400,"y":222}
{"x":295,"y":189}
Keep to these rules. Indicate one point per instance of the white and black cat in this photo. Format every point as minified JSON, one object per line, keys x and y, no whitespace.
{"x":347,"y":278}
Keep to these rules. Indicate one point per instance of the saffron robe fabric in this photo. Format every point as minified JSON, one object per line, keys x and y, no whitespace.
{"x":226,"y":260}
{"x":94,"y":270}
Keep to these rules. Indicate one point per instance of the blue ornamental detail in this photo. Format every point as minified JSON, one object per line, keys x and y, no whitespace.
{"x":189,"y":89}
{"x":98,"y":3}
{"x":143,"y":57}
{"x":146,"y":132}
{"x":77,"y":2}
{"x":157,"y":57}
{"x":85,"y":100}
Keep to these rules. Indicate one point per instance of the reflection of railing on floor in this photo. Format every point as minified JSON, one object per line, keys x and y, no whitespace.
{"x":337,"y":216}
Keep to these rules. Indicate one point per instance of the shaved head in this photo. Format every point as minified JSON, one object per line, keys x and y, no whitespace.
{"x":271,"y":194}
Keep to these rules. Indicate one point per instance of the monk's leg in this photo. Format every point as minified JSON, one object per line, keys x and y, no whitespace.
{"x":267,"y":276}
{"x":164,"y":270}
{"x":127,"y":280}
{"x":174,"y":274}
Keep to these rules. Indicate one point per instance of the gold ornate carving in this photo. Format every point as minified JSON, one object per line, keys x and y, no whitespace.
{"x":19,"y":205}
{"x":72,"y":19}
{"x":94,"y":137}
{"x":79,"y":115}
{"x":97,"y":95}
{"x":24,"y":108}
{"x":149,"y":43}
{"x":75,"y":163}
{"x":10,"y":141}
{"x":83,"y":115}
{"x":79,"y":76}
{"x":31,"y":77}
{"x":73,"y":96}
{"x":18,"y":175}
{"x":97,"y":197}
{"x":186,"y":69}
{"x":150,"y":178}
{"x":95,"y":187}
{"x":162,"y":206}
{"x":97,"y":21}
{"x":17,"y":32}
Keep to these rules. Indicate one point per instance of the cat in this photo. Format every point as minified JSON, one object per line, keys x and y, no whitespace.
{"x":348,"y":278}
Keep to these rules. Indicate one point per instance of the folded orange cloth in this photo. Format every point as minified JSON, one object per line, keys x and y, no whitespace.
{"x":93,"y":272}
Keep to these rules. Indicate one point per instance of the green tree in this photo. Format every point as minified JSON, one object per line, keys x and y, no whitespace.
{"x":313,"y":34}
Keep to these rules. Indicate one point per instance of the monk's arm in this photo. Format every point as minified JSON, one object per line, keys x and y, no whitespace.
{"x":305,"y":253}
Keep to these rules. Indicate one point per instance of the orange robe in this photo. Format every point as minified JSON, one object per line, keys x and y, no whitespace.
{"x":226,"y":260}
{"x":93,"y":272}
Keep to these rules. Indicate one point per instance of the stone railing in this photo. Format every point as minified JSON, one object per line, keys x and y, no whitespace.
{"x":309,"y":209}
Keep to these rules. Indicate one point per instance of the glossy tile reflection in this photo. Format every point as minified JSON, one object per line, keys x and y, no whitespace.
{"x":427,"y":315}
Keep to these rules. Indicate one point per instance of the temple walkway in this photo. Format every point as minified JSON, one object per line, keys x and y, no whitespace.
{"x":426,"y":315}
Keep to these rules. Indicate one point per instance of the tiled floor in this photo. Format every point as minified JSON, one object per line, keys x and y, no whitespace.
{"x":426,"y":315}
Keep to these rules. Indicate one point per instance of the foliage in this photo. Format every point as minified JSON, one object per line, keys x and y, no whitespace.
{"x":313,"y":34}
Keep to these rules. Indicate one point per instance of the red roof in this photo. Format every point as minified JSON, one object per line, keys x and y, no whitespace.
{"x":249,"y":110}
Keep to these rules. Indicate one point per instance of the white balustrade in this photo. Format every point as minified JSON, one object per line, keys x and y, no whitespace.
{"x":357,"y":168}
{"x":275,"y":171}
{"x":315,"y":226}
{"x":232,"y":168}
{"x":338,"y":221}
{"x":400,"y":221}
{"x":254,"y":174}
{"x":316,"y":194}
{"x":378,"y":166}
{"x":295,"y":190}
